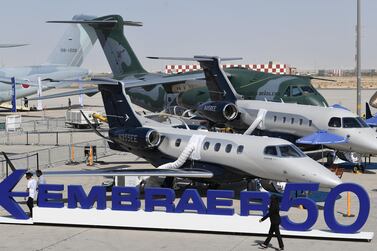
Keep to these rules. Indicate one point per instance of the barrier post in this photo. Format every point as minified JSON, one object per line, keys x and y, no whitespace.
{"x":348,"y":214}
{"x":72,"y":153}
{"x":57,"y":139}
{"x":90,"y":163}
{"x":27,"y":138}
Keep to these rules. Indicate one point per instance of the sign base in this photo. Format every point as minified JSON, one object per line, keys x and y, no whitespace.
{"x":176,"y":221}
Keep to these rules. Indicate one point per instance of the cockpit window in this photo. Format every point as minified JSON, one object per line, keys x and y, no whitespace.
{"x":290,"y":151}
{"x":353,"y":123}
{"x":271,"y":150}
{"x":307,"y":89}
{"x":296,"y":91}
{"x":335,"y":122}
{"x":284,"y":151}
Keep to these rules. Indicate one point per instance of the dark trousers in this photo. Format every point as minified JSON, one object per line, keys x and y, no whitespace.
{"x":30,"y":204}
{"x":274,"y":228}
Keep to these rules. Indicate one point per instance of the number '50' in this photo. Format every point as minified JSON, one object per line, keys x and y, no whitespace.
{"x":287,"y":202}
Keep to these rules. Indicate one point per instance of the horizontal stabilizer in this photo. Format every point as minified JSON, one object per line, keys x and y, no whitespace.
{"x":11,"y":45}
{"x":136,"y":82}
{"x":196,"y":58}
{"x":88,"y":91}
{"x":97,"y":22}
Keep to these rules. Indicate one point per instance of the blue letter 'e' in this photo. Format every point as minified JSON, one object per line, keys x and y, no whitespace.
{"x":216,"y":198}
{"x":46,"y":199}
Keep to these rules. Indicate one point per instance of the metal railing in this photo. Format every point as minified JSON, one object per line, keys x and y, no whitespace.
{"x":54,"y":156}
{"x":52,"y":138}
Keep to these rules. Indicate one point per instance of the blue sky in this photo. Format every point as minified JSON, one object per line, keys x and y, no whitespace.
{"x":307,"y":34}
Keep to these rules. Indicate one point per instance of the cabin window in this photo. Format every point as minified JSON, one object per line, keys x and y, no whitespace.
{"x":287,"y":92}
{"x":228,"y":148}
{"x":178,"y":142}
{"x":296,"y":91}
{"x":217,"y":147}
{"x":271,"y":150}
{"x":292,"y":120}
{"x":284,"y":119}
{"x":240,"y":149}
{"x":275,"y":118}
{"x":310,"y":123}
{"x":335,"y":122}
{"x":301,"y":121}
{"x":206,"y":145}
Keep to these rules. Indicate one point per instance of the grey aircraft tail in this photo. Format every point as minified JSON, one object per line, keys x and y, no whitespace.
{"x":75,"y":44}
{"x":119,"y":54}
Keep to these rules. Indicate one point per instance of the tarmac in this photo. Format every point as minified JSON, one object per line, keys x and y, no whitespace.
{"x":48,"y":237}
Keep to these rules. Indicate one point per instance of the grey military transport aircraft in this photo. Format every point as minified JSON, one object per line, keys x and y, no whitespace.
{"x":291,"y":121}
{"x":63,"y":63}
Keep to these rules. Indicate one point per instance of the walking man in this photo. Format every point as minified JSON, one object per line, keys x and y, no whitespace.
{"x":31,"y":189}
{"x":41,"y":178}
{"x":273,"y":214}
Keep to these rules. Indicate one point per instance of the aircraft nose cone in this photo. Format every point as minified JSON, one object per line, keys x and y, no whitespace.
{"x":330,"y":182}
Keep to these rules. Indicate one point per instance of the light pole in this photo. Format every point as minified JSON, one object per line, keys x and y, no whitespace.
{"x":358,"y":59}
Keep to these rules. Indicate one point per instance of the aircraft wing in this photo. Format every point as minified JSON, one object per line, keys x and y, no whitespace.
{"x":183,"y":173}
{"x":65,"y":94}
{"x":19,"y":81}
{"x":136,"y":82}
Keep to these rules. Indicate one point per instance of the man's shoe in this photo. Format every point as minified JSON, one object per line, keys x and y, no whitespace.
{"x":281,"y":248}
{"x":263,"y":245}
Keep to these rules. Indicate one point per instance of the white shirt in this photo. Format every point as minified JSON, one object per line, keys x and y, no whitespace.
{"x":41,"y":180}
{"x":32,"y":186}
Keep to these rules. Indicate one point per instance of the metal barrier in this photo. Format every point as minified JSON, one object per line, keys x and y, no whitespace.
{"x":52,"y":138}
{"x":53,"y":156}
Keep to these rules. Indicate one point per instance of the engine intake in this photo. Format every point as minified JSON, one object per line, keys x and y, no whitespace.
{"x":219,"y":111}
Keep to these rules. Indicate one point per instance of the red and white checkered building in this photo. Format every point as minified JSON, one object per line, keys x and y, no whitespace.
{"x":274,"y":68}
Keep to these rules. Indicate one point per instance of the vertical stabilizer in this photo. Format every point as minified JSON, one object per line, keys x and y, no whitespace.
{"x":121,"y":57}
{"x":75,"y":44}
{"x":119,"y":111}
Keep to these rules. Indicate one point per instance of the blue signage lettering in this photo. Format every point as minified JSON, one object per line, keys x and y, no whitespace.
{"x":46,"y":199}
{"x":219,"y":202}
{"x":364,"y":207}
{"x":307,"y":203}
{"x":76,"y":194}
{"x":125,"y":194}
{"x":6,"y":195}
{"x":196,"y":205}
{"x":223,"y":198}
{"x":247,"y":196}
{"x":167,"y":200}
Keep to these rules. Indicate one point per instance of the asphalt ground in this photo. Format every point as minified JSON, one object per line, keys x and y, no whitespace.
{"x":47,"y":237}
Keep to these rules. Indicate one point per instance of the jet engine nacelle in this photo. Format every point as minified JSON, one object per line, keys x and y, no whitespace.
{"x":218,"y":111}
{"x":140,"y":137}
